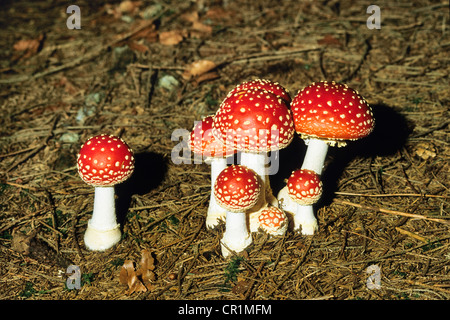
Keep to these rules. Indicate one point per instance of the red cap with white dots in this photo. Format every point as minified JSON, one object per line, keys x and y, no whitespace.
{"x":304,"y":186}
{"x":254,"y":120}
{"x":237,"y":188}
{"x":273,"y":221}
{"x":331,"y":111}
{"x":105,"y":160}
{"x":264,"y":84}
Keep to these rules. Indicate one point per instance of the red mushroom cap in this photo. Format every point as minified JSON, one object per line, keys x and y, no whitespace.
{"x":202,"y":141}
{"x":254,"y":120}
{"x":305,"y":186}
{"x":237,"y":188}
{"x":272,"y":219}
{"x":263,"y":84}
{"x":105,"y":160}
{"x":331,"y":111}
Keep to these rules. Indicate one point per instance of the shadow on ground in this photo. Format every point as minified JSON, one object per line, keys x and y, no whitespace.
{"x":150,"y":170}
{"x":388,"y":137}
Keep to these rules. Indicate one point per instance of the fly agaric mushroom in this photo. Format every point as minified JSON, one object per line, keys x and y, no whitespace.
{"x":273,"y":221}
{"x":264,"y":84}
{"x":104,"y":161}
{"x":329,"y":113}
{"x":237,"y":189}
{"x":303,"y":189}
{"x":203,"y":143}
{"x":254,"y":122}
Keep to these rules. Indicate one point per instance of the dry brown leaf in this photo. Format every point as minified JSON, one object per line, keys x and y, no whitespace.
{"x":129,"y":6}
{"x":330,"y":40}
{"x":147,"y":267}
{"x":207,"y":77}
{"x":126,"y":271}
{"x":138,"y":281}
{"x":191,"y":16}
{"x":425,"y":151}
{"x":170,"y":38}
{"x":198,"y":68}
{"x":218,"y":13}
{"x":135,"y":46}
{"x":200,"y":30}
{"x":30,"y":47}
{"x":21,"y":242}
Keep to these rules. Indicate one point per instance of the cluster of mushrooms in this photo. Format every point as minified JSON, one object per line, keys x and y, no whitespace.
{"x":256,"y":118}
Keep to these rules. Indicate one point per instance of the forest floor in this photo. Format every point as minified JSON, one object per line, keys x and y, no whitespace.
{"x":129,"y":71}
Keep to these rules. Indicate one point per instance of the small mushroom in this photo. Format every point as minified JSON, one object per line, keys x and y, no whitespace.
{"x":273,"y":221}
{"x":237,"y":189}
{"x":104,"y":161}
{"x":203,"y":143}
{"x":303,"y":189}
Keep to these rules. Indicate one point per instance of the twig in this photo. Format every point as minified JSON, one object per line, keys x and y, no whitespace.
{"x":361,"y":61}
{"x":83,"y":59}
{"x":399,"y":213}
{"x":258,"y":271}
{"x":299,"y":263}
{"x":391,"y":195}
{"x":272,"y":55}
{"x":438,"y":127}
{"x":38,"y":148}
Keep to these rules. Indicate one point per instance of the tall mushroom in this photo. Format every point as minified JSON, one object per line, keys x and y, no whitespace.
{"x":254,"y":122}
{"x":303,"y":189}
{"x":104,"y":161}
{"x":215,"y":153}
{"x":237,"y":189}
{"x":328,"y":113}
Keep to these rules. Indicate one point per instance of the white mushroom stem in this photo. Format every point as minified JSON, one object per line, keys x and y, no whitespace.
{"x":315,"y":155}
{"x":236,"y":236}
{"x":215,"y":212}
{"x":103,"y":231}
{"x":303,"y":215}
{"x":257,"y":162}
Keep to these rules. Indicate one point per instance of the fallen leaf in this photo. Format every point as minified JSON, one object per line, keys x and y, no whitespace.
{"x":207,"y":77}
{"x":138,"y":280}
{"x":329,"y":39}
{"x":241,"y":287}
{"x":30,"y":46}
{"x":129,"y":6}
{"x":171,"y":38}
{"x":147,"y":267}
{"x":127,"y":268}
{"x":425,"y":151}
{"x":198,"y":68}
{"x":200,"y":30}
{"x":135,"y":46}
{"x":21,"y":242}
{"x":191,"y":16}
